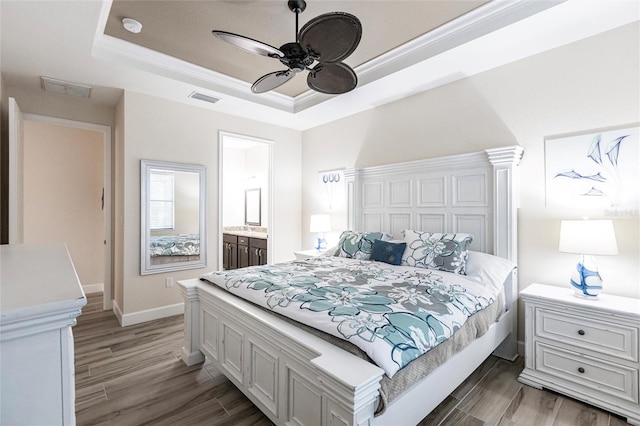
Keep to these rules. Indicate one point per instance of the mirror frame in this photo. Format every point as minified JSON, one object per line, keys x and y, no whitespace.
{"x":253,"y":207}
{"x":146,"y":166}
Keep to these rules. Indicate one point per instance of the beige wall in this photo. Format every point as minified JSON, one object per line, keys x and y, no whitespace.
{"x":69,"y":108}
{"x":588,"y":85}
{"x":157,"y":129}
{"x":62,"y":106}
{"x":63,"y":180}
{"x":186,"y":219}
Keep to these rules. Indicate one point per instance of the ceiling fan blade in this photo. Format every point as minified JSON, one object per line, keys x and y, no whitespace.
{"x":271,"y":81}
{"x":249,"y":44}
{"x":332,"y":78}
{"x":333,"y":36}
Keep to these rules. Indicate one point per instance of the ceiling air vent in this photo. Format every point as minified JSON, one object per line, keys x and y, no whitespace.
{"x":202,"y":97}
{"x":65,"y":87}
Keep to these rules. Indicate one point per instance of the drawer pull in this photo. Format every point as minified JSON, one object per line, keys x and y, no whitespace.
{"x":581,"y":332}
{"x":580,"y":370}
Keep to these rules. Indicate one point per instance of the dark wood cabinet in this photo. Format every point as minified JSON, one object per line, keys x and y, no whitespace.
{"x":243,"y":252}
{"x":240,"y":252}
{"x":257,"y":251}
{"x":229,"y":251}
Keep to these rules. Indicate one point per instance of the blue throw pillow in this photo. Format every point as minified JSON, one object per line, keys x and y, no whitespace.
{"x":384,"y":251}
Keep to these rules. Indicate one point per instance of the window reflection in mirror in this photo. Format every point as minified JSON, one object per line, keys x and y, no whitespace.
{"x":172,"y":217}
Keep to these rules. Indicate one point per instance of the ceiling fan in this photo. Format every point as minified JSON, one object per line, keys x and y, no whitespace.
{"x":326,"y":39}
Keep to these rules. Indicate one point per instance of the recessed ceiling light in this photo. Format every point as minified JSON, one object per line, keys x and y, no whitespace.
{"x":131,"y":25}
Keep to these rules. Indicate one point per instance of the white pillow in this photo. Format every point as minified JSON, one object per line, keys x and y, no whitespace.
{"x":488,"y":269}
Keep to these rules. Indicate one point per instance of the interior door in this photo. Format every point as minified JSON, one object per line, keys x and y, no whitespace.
{"x":16,"y":188}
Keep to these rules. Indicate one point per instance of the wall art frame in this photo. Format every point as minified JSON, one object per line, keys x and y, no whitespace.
{"x":597,"y":169}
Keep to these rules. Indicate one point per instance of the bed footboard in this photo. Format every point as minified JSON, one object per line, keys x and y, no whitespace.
{"x":293,"y":377}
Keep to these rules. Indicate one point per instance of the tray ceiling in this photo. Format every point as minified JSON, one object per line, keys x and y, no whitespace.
{"x":182,"y":29}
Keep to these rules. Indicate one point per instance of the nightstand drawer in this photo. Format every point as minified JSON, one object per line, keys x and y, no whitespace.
{"x":607,"y":379}
{"x":596,"y":335}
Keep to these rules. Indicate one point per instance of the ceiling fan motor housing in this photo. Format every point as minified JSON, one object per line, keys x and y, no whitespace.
{"x":295,"y":57}
{"x":297,"y":6}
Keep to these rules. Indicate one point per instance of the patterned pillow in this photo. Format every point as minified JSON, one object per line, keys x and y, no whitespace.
{"x":357,"y":245}
{"x":445,"y":252}
{"x":387,"y":252}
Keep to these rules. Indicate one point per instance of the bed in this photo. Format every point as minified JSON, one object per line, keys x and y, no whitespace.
{"x":165,"y":249}
{"x":298,"y":375}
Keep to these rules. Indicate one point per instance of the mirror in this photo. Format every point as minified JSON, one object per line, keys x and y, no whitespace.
{"x":252,"y":207}
{"x":172,"y":221}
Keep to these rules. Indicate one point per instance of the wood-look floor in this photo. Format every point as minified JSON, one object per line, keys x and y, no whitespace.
{"x":134,"y":376}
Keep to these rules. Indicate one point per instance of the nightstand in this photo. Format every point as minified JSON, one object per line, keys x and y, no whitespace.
{"x":586,"y":349}
{"x":303,"y":254}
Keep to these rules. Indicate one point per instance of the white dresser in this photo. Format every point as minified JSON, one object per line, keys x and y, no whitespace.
{"x":586,"y":349}
{"x":40,"y":298}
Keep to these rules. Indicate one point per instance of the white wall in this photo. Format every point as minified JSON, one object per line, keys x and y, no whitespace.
{"x":244,"y":168}
{"x":587,"y":85}
{"x":257,"y":166}
{"x":158,"y":129}
{"x":233,"y":186}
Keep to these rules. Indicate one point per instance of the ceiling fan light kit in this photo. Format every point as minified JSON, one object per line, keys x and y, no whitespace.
{"x":325,"y":40}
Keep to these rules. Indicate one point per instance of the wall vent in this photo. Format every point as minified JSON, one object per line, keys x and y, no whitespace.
{"x":202,"y":97}
{"x":65,"y":87}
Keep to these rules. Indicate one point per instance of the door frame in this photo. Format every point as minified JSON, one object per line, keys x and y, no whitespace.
{"x":14,"y":211}
{"x":222,"y":134}
{"x":106,"y":184}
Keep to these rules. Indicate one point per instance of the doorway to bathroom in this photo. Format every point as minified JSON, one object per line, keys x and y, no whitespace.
{"x":246,"y":184}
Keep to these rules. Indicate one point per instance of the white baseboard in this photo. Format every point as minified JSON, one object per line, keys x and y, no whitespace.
{"x":93,"y":288}
{"x":118,"y":312}
{"x":147,"y":315}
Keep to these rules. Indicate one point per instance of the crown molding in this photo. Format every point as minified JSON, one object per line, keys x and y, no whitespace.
{"x":483,"y":20}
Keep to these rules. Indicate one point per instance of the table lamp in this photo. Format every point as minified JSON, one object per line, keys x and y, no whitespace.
{"x":587,"y":238}
{"x":320,"y":223}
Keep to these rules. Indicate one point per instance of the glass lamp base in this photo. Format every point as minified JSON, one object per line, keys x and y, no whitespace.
{"x":321,"y":243}
{"x":586,"y":280}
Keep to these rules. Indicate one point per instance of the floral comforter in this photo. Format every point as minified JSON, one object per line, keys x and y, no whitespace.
{"x":175,"y":245}
{"x":393,"y":313}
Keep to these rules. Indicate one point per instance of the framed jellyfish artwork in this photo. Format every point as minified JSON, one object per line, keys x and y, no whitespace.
{"x":595,"y":170}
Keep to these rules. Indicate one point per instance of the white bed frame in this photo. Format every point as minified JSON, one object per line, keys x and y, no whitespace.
{"x":296,"y":378}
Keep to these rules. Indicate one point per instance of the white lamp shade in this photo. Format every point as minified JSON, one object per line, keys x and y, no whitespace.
{"x":592,"y":237}
{"x":320,"y":223}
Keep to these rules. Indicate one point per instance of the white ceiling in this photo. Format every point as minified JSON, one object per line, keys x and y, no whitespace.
{"x":65,"y":40}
